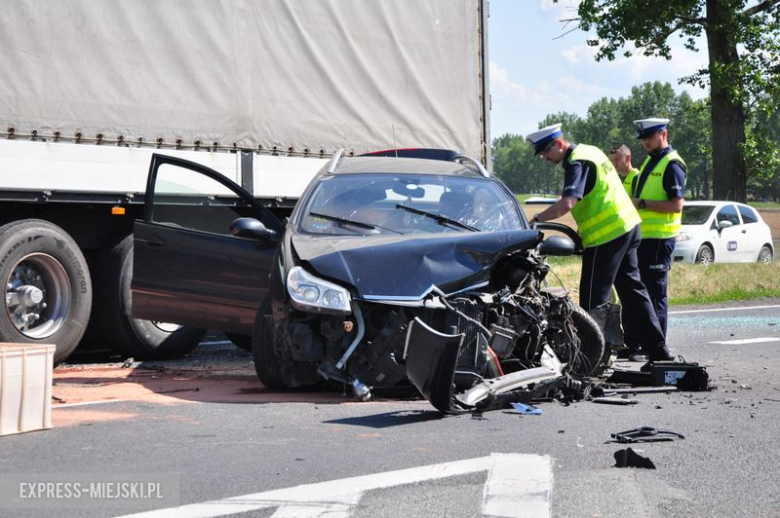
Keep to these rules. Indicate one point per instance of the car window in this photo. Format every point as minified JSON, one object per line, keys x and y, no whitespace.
{"x":194,"y":201}
{"x":728,"y":213}
{"x":696,"y":214}
{"x":366,"y":204}
{"x":748,"y":214}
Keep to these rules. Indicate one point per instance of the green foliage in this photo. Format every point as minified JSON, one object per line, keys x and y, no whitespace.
{"x":743,"y":46}
{"x":610,"y":122}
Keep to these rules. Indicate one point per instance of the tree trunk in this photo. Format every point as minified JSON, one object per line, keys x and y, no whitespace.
{"x":729,"y":175}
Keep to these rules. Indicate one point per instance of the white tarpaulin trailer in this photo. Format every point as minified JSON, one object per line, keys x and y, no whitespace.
{"x":262,"y":91}
{"x":295,"y":74}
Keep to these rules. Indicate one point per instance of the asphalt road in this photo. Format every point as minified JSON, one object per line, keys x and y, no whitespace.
{"x":218,"y":435}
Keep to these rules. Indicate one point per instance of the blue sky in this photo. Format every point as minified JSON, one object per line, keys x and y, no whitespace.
{"x":532,"y":74}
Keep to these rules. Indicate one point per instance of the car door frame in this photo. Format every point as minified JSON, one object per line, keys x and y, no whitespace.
{"x":221,"y":289}
{"x":735,"y":233}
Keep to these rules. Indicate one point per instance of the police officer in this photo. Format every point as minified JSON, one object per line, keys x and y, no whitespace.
{"x":609,"y":227}
{"x":620,"y":156}
{"x":658,"y":193}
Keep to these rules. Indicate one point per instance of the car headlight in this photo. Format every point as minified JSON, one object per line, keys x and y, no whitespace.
{"x":312,"y":293}
{"x":684,"y":236}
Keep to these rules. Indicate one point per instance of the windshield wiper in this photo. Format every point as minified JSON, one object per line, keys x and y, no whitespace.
{"x":345,"y":221}
{"x":441,"y":220}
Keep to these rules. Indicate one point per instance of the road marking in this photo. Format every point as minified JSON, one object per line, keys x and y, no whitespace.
{"x":747,"y":341}
{"x":721,"y":309}
{"x":514,"y":481}
{"x":517,"y":488}
{"x":217,"y":342}
{"x":85,"y":403}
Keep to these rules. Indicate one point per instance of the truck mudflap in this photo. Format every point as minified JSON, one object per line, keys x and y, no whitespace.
{"x":431,"y":357}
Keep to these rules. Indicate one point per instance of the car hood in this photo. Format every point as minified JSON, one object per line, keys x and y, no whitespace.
{"x":408,"y":267}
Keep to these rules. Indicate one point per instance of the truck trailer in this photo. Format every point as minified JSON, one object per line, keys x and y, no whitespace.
{"x":264,"y":92}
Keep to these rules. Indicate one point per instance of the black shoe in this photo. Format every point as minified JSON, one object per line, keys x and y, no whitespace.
{"x":627,"y":351}
{"x":661,"y":354}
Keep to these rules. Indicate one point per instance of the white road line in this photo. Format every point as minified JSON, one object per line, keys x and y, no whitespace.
{"x":518,"y":485}
{"x":217,"y":342}
{"x":85,"y":403}
{"x":721,"y":309}
{"x":748,"y":341}
{"x":510,"y":474}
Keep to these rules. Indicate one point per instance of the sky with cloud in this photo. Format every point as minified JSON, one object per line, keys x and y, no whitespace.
{"x":536,"y":69}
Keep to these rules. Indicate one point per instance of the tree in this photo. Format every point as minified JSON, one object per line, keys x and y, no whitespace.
{"x":609,"y":122}
{"x":743,"y":73}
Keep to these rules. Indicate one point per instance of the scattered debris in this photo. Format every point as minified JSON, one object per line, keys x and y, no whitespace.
{"x":526,"y":409}
{"x":615,"y":401}
{"x":628,"y":458}
{"x":128,"y":363}
{"x":646,"y":434}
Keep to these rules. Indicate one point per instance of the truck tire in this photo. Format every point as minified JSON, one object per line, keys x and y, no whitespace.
{"x":46,"y":286}
{"x":112,"y":316}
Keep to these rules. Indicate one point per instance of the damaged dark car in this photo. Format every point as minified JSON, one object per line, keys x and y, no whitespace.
{"x":390,"y":272}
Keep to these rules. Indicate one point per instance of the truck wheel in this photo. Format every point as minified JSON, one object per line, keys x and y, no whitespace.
{"x":46,"y":286}
{"x":241,"y":341}
{"x":112,"y":317}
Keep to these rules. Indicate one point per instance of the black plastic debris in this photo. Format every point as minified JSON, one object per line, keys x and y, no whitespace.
{"x":665,"y":373}
{"x":614,"y":400}
{"x":646,"y":434}
{"x":628,"y":458}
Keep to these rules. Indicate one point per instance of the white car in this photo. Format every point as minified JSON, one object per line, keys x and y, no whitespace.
{"x":722,"y":231}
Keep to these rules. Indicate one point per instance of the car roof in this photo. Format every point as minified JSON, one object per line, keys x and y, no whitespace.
{"x":374,"y":164}
{"x":713,"y":202}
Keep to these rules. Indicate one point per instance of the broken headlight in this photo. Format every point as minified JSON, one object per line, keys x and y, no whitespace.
{"x":308,"y":293}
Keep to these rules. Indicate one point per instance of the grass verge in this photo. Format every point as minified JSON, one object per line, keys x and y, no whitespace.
{"x":693,"y":283}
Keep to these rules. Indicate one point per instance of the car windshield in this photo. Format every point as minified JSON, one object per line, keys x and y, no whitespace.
{"x":392,"y":204}
{"x":696,"y":214}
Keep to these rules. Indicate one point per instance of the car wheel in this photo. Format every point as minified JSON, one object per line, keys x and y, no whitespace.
{"x":582,"y":360}
{"x":705,"y":255}
{"x":592,"y":344}
{"x":765,"y":255}
{"x":46,"y":286}
{"x":112,"y":315}
{"x":273,"y":366}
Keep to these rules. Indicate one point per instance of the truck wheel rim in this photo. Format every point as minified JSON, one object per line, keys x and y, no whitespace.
{"x":38,"y":296}
{"x":166,"y":326}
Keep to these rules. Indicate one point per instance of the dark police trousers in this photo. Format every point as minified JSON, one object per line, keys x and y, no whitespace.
{"x":655,"y":261}
{"x":616,"y":263}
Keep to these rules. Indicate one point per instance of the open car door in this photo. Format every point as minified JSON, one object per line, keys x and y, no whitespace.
{"x":202,"y":252}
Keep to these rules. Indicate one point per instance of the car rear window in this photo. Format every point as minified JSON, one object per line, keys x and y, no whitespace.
{"x":748,"y":215}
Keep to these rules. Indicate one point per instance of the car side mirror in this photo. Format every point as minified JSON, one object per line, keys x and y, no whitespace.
{"x":251,"y":228}
{"x":724,"y":223}
{"x":556,"y":245}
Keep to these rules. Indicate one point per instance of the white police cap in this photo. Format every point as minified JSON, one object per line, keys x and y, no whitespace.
{"x":544,"y":136}
{"x":646,"y":127}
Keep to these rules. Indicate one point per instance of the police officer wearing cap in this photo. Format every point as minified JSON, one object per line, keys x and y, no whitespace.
{"x":657,"y":192}
{"x":609,"y":227}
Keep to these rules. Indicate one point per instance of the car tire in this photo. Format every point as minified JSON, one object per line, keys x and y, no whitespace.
{"x":274,"y":368}
{"x":765,"y":255}
{"x":592,"y":343}
{"x":112,"y":317}
{"x":46,"y":286}
{"x":241,"y":341}
{"x":705,"y":255}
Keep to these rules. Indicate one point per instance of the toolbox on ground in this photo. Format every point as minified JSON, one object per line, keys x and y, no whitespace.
{"x":25,"y":387}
